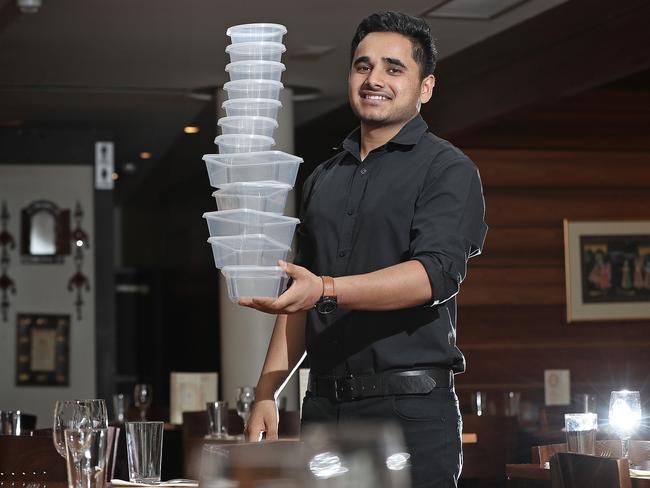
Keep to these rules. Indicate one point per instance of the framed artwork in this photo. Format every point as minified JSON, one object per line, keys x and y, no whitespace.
{"x":607,"y":267}
{"x":42,"y":350}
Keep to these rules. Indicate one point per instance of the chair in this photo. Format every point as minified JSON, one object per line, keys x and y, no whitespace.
{"x":27,"y":459}
{"x":569,"y":470}
{"x":495,"y":447}
{"x":30,"y":459}
{"x":639,"y":451}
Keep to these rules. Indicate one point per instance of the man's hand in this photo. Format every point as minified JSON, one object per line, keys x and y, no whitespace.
{"x":304,"y":292}
{"x":264,"y":418}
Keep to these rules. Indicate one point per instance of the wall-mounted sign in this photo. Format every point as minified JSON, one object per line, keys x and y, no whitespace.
{"x":104,"y":165}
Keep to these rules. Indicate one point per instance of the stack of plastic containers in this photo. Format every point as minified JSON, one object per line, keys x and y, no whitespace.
{"x":248,"y":233}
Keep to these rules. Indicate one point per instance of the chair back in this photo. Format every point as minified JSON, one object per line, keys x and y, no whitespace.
{"x":639,"y":452}
{"x":496,"y":445}
{"x":569,"y":470}
{"x":25,"y":459}
{"x":35,"y":459}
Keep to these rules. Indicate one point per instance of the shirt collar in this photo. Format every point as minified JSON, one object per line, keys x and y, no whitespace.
{"x":409,"y":135}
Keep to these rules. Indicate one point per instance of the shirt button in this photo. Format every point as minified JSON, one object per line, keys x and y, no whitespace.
{"x":341,"y":254}
{"x":364,"y":171}
{"x":350,"y":212}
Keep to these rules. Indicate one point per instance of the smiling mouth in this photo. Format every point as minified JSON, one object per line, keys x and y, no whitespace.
{"x":374,"y":97}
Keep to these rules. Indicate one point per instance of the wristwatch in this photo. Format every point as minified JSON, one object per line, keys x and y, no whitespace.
{"x":327,"y":303}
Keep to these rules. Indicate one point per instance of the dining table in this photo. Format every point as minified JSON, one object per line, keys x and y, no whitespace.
{"x":539,"y":476}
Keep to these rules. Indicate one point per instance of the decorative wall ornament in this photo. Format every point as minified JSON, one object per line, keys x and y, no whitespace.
{"x":79,"y":281}
{"x":42,"y":350}
{"x":45,"y":233}
{"x":7,"y":242}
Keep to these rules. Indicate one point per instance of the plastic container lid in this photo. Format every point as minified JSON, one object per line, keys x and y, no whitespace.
{"x":245,"y":221}
{"x":240,"y":143}
{"x":264,"y":107}
{"x":256,"y":32}
{"x":260,"y":166}
{"x":254,"y":125}
{"x":248,"y":249}
{"x":261,"y":50}
{"x":253,"y":88}
{"x":269,"y":196}
{"x":260,"y":70}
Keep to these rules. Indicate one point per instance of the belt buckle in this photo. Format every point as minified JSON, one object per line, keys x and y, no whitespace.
{"x":339,"y":390}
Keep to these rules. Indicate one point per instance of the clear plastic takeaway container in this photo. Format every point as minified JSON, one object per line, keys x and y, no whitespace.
{"x":266,"y":196}
{"x":253,"y":89}
{"x":254,"y":281}
{"x":251,"y":107}
{"x":243,"y":143}
{"x":261,"y":126}
{"x":256,"y":32}
{"x":262,"y":166}
{"x":259,"y":50}
{"x":244,"y":221}
{"x":251,"y":249}
{"x":257,"y":70}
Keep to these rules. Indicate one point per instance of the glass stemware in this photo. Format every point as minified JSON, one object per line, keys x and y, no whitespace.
{"x":625,"y":416}
{"x":245,"y":399}
{"x":77,"y":414}
{"x":142,"y":397}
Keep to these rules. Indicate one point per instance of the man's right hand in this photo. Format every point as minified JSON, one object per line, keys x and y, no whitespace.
{"x":264,"y":418}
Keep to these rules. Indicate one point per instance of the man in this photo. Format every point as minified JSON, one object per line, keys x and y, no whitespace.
{"x":388,"y":225}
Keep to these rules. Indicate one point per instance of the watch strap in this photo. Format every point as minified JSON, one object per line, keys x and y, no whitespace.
{"x":328,"y":286}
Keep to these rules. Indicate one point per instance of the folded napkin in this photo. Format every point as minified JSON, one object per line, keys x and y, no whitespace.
{"x":179,"y":482}
{"x":639,"y":473}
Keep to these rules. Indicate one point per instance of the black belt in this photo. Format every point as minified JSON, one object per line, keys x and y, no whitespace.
{"x":347,"y":388}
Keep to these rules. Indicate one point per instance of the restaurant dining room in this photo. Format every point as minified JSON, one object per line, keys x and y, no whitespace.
{"x":368,"y":244}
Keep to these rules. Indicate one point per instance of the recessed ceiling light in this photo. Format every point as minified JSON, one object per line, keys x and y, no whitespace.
{"x":145,"y":155}
{"x":472,"y":9}
{"x":191,"y":129}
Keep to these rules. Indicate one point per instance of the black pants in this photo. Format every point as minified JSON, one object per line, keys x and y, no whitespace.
{"x":431,"y":425}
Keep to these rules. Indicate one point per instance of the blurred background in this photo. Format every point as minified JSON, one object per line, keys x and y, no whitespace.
{"x":550,"y":98}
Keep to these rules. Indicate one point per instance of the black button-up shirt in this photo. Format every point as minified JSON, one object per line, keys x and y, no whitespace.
{"x":416,"y":197}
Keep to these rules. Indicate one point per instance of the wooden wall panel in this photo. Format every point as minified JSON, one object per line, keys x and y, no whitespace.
{"x":581,"y":158}
{"x":562,"y":169}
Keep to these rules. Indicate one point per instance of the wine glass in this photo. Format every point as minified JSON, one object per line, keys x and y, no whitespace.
{"x":625,"y":416}
{"x":77,"y":414}
{"x":142,"y":396}
{"x":245,"y":398}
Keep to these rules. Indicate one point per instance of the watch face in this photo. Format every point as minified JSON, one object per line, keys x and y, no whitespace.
{"x":326,"y":305}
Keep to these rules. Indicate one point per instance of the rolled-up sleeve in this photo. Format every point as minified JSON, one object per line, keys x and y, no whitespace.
{"x":448,"y":225}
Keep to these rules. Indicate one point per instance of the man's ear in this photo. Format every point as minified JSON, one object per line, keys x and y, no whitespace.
{"x":426,"y":88}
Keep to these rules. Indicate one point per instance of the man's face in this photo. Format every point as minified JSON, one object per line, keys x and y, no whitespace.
{"x":385,"y":86}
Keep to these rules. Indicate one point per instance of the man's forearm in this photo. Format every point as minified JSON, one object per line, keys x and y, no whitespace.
{"x":286,"y":349}
{"x":401,"y":286}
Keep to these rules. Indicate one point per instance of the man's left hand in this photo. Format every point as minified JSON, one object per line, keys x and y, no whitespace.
{"x":304,"y":292}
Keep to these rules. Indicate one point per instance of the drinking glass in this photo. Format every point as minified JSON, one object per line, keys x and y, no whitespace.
{"x":142,"y":396}
{"x":10,"y":422}
{"x":144,"y":451}
{"x":77,"y":414}
{"x":86,"y":457}
{"x":581,"y":432}
{"x":625,"y":416}
{"x":218,"y":419}
{"x":245,"y":399}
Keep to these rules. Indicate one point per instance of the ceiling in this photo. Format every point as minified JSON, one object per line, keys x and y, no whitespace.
{"x":131,"y":67}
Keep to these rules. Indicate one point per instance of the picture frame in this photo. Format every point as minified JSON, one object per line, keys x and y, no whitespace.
{"x":42,"y":350}
{"x":607,"y":267}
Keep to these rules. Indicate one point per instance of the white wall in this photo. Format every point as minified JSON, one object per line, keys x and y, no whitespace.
{"x":43,"y":288}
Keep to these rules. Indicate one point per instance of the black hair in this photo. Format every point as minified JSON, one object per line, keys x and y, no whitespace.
{"x":416,"y":29}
